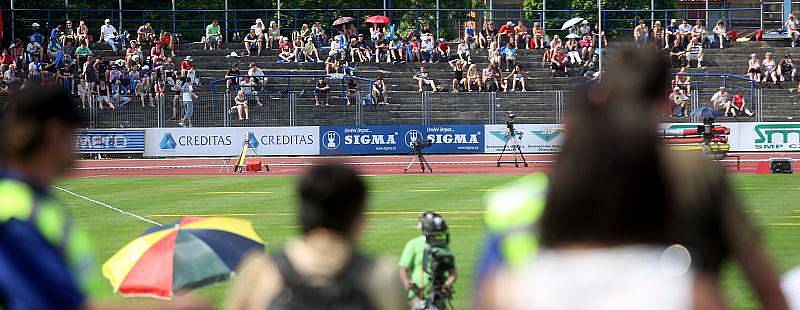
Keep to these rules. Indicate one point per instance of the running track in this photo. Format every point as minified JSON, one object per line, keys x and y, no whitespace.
{"x":368,"y":165}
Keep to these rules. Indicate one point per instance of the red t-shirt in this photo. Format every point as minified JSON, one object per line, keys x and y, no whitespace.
{"x":6,"y":60}
{"x":738,"y":101}
{"x":285,"y":46}
{"x":186,"y":65}
{"x":506,"y":29}
{"x":444,"y":45}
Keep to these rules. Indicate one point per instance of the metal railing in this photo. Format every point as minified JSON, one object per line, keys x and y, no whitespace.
{"x":450,"y":23}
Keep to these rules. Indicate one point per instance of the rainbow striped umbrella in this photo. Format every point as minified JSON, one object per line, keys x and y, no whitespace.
{"x":185,"y":254}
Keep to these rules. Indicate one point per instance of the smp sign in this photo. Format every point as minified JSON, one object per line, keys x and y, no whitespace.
{"x":772,"y":136}
{"x":364,"y":140}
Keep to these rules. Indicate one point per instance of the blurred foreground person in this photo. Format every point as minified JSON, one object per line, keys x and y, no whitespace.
{"x":427,"y":266}
{"x":628,"y":223}
{"x":323,"y":268}
{"x":45,"y":260}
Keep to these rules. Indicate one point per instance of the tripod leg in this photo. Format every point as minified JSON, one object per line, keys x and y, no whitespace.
{"x":519,"y":149}
{"x":503,"y":151}
{"x":413,"y":160}
{"x":424,"y":163}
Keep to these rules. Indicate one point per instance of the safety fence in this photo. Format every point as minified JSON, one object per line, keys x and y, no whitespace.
{"x":449,"y":23}
{"x":219,"y":109}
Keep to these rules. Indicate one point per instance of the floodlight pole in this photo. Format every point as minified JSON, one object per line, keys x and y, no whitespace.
{"x":600,"y":38}
{"x":173,"y":17}
{"x":279,"y":14}
{"x":437,"y":18}
{"x":227,"y":27}
{"x":652,"y":13}
{"x":13,"y":22}
{"x":544,"y":17}
{"x":120,"y":17}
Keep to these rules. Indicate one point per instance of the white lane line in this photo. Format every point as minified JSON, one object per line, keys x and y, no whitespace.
{"x":107,"y":206}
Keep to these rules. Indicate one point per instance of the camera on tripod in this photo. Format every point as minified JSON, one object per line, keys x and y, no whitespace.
{"x":438,"y":261}
{"x":419,"y":145}
{"x":706,"y":129}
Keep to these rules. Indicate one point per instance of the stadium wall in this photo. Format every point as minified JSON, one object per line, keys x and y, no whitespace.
{"x":372,"y":140}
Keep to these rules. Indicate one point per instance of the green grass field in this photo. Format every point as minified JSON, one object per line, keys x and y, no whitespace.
{"x":395,"y":204}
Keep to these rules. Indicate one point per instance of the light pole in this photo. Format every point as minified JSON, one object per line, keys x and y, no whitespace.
{"x":544,"y":17}
{"x":600,"y":38}
{"x":437,"y":18}
{"x":652,"y":13}
{"x":120,"y":17}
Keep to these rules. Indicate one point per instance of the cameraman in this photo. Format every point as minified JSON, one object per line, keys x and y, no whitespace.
{"x":415,"y":267}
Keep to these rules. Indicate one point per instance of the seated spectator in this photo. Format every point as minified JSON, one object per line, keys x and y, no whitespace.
{"x":104,"y":95}
{"x":395,"y":51}
{"x":754,"y":68}
{"x":143,"y":90}
{"x":720,"y":33}
{"x":671,"y":34}
{"x":585,"y":29}
{"x":721,"y":101}
{"x":770,"y":69}
{"x":458,"y":74}
{"x":737,"y":106}
{"x":442,"y":52}
{"x":381,"y":48}
{"x":658,"y":35}
{"x":82,"y":54}
{"x":427,"y":47}
{"x":791,"y":28}
{"x":213,"y":36}
{"x":505,"y":34}
{"x":517,"y":76}
{"x":332,"y":63}
{"x":287,"y":51}
{"x":699,"y":32}
{"x":682,"y":80}
{"x":322,"y":92}
{"x":788,"y":70}
{"x":490,"y":79}
{"x":680,"y":102}
{"x":257,"y":76}
{"x":187,"y":65}
{"x":232,"y":76}
{"x":423,"y":78}
{"x":166,"y":43}
{"x":352,"y":91}
{"x":556,"y":43}
{"x":587,"y":49}
{"x":310,"y":53}
{"x":463,"y":52}
{"x":677,"y":55}
{"x":558,"y":65}
{"x":694,"y":52}
{"x":473,"y":80}
{"x":641,"y":34}
{"x":591,"y":68}
{"x":538,"y":37}
{"x":509,"y":57}
{"x":260,"y":29}
{"x":108,"y":34}
{"x":248,"y":85}
{"x":414,"y":54}
{"x":488,"y":34}
{"x":469,"y":32}
{"x":240,"y":105}
{"x":521,"y":34}
{"x":493,"y":55}
{"x":251,"y":41}
{"x":145,"y":34}
{"x":273,"y":34}
{"x":380,"y":91}
{"x":684,"y":32}
{"x":82,"y":33}
{"x":34,"y":50}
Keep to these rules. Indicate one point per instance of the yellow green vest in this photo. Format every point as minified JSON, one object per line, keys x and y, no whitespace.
{"x":19,"y":201}
{"x":512,"y":213}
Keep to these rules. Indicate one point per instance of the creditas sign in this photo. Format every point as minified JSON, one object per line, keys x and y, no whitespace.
{"x":109,"y":141}
{"x":532,"y":138}
{"x":229,"y":141}
{"x":355,"y":140}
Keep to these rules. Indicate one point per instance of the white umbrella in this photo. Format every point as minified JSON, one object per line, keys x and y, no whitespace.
{"x":571,"y":22}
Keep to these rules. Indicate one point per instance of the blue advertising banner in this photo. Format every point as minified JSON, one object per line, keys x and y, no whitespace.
{"x":364,"y":140}
{"x":109,"y":141}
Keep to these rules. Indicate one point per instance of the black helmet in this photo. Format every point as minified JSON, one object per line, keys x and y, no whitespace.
{"x":432,"y":223}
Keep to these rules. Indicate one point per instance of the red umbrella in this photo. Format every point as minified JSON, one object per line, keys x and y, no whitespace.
{"x":377,"y":19}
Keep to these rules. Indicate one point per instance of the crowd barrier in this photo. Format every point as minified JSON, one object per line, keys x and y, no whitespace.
{"x":373,"y":140}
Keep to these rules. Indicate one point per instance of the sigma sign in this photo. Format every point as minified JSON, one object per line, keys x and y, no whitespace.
{"x":399,"y":139}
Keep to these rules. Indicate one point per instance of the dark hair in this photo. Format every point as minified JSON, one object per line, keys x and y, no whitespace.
{"x":25,"y":114}
{"x":332,"y":196}
{"x":608,"y":187}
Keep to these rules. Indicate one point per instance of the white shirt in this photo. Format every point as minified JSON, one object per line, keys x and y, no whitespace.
{"x":186,"y":92}
{"x":9,"y":75}
{"x":34,"y":67}
{"x":33,"y":47}
{"x":624,"y":277}
{"x":108,"y":31}
{"x":255,"y":71}
{"x":719,"y":97}
{"x":259,"y":29}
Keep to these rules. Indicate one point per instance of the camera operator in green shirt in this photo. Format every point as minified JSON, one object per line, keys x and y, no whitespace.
{"x":427,"y":266}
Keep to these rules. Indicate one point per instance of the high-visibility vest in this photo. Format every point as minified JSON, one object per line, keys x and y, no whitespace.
{"x":20,"y":202}
{"x":512,"y":213}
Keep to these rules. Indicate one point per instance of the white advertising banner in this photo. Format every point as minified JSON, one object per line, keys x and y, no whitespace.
{"x":220,"y":141}
{"x":532,"y":138}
